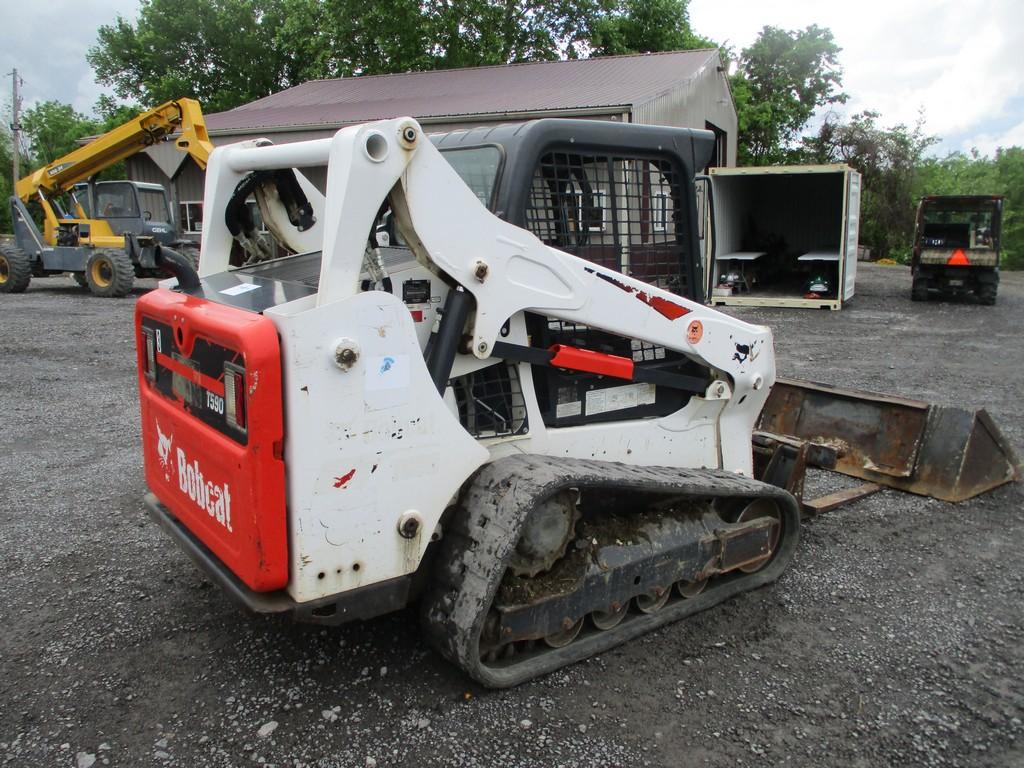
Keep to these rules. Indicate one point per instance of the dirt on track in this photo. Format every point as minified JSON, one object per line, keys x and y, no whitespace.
{"x":895,"y":638}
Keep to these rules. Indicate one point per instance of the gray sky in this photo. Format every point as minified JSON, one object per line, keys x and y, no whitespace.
{"x":958,"y":60}
{"x":47,"y":41}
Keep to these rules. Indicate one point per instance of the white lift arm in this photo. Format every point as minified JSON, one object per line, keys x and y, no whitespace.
{"x":507,"y":269}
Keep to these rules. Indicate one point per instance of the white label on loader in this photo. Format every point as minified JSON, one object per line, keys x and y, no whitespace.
{"x":618,"y":398}
{"x":239,"y":289}
{"x":562,"y":410}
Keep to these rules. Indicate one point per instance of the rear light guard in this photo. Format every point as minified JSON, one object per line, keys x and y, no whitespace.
{"x":235,"y":408}
{"x":149,"y":358}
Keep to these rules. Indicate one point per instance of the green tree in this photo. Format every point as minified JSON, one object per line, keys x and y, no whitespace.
{"x":782,"y":78}
{"x":466,"y":33}
{"x":643,"y":26}
{"x":230,"y":52}
{"x":54,"y":128}
{"x":110,"y":113}
{"x":975,"y":174}
{"x":1009,"y":164}
{"x":222,"y":52}
{"x":339,"y":38}
{"x":887,"y":159}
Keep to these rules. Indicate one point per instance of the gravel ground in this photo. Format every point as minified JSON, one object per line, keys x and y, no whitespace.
{"x":894,"y":638}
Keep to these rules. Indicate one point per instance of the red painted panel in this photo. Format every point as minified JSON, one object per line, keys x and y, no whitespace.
{"x":230,"y":495}
{"x":575,"y":359}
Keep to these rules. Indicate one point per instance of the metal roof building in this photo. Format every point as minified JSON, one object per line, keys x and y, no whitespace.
{"x":677,"y":88}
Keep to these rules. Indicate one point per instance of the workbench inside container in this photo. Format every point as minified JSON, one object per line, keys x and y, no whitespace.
{"x":783,"y":236}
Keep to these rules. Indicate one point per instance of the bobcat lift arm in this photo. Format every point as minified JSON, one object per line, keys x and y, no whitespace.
{"x":909,"y":445}
{"x":338,"y":342}
{"x":454,"y":236}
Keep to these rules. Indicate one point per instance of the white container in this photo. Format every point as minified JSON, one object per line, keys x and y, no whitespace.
{"x":776,"y":228}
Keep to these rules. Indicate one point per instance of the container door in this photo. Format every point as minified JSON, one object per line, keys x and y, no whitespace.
{"x":705,"y":230}
{"x":852,"y":219}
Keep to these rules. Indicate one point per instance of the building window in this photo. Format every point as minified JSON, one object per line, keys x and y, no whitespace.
{"x":191,"y":217}
{"x":720,"y":157}
{"x":599,"y":221}
{"x":594,"y":218}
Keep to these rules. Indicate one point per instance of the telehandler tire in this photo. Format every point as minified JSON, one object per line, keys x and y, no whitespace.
{"x":15,"y":270}
{"x":110,"y":274}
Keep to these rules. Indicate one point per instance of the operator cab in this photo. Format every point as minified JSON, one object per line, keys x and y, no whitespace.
{"x":129,"y":207}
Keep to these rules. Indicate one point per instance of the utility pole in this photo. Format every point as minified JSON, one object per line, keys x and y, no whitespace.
{"x":15,"y":129}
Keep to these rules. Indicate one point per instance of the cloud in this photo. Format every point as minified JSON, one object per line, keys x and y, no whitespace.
{"x":954,"y":61}
{"x":47,"y":42}
{"x":988,"y":143}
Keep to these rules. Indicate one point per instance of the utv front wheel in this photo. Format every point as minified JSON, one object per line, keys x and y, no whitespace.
{"x":110,"y":274}
{"x":15,"y":270}
{"x":986,"y":294}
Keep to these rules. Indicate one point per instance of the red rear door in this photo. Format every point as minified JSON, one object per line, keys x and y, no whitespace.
{"x":212,"y":431}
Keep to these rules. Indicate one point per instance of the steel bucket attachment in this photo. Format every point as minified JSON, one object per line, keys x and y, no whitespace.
{"x":948,"y":453}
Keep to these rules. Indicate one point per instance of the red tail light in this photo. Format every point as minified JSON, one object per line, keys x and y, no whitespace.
{"x":149,"y":357}
{"x":234,"y":396}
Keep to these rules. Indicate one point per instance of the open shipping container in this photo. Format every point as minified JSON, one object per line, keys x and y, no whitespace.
{"x":783,"y":236}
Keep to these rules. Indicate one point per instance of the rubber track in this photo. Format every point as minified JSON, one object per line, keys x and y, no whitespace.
{"x":479,"y":541}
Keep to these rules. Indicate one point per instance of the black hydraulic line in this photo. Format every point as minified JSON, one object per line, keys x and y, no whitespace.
{"x":520,"y":354}
{"x":239,"y":217}
{"x":537,"y":356}
{"x":681,"y":381}
{"x":178,"y":266}
{"x":237,"y":214}
{"x":443,"y":346}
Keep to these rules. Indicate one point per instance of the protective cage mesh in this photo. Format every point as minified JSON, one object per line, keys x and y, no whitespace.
{"x":491,"y":402}
{"x":622,"y":213}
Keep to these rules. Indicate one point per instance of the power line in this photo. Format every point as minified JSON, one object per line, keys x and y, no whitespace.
{"x":16,"y":81}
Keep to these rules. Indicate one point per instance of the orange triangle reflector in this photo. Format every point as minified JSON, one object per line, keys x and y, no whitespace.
{"x":959,"y":258}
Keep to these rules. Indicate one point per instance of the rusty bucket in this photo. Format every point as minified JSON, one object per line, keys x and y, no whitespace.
{"x":948,"y":453}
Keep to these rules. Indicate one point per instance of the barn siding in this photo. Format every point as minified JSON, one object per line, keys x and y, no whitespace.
{"x":705,"y":97}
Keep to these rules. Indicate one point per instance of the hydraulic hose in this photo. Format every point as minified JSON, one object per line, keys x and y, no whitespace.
{"x":178,"y":266}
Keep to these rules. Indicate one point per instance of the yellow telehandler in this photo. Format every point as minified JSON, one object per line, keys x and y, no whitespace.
{"x":103,"y":232}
